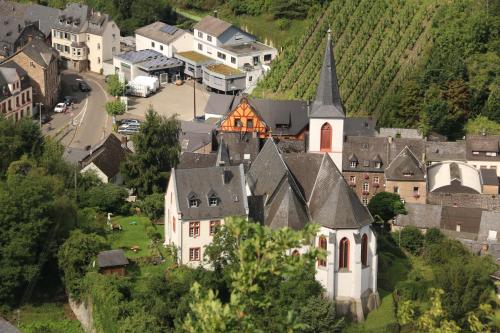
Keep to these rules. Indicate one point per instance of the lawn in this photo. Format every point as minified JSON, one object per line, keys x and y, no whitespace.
{"x":47,"y":317}
{"x":133,"y":233}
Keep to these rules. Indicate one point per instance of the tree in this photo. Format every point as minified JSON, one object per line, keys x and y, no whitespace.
{"x":157,"y":150}
{"x":153,"y":206}
{"x":115,"y":108}
{"x":435,"y":319}
{"x":386,"y":205}
{"x":433,"y":236}
{"x":114,"y":86}
{"x":76,"y":256}
{"x":319,"y":314}
{"x":482,"y":124}
{"x":107,"y":198}
{"x":412,"y":239}
{"x":262,"y":264}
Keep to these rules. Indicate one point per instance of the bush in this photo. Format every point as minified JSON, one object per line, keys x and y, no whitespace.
{"x":108,"y":198}
{"x":433,"y":236}
{"x":412,"y":239}
{"x":441,"y":253}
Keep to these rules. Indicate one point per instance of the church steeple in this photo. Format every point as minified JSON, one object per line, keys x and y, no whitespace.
{"x":327,"y":103}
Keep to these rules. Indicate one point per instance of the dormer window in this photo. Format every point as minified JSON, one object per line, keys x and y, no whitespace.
{"x":378,"y":165}
{"x":353,"y":164}
{"x":475,"y":153}
{"x":213,"y":202}
{"x":491,"y":153}
{"x":193,"y":203}
{"x":193,"y":200}
{"x":407,"y":173}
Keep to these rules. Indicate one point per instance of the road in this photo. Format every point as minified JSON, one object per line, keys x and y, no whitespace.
{"x":87,"y":123}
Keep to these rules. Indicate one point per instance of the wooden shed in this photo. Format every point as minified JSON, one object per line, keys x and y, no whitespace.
{"x":112,"y":262}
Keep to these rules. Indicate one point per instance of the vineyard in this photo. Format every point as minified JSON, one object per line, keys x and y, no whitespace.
{"x":376,"y":44}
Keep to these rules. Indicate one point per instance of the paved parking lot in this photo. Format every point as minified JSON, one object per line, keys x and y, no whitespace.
{"x":170,"y":100}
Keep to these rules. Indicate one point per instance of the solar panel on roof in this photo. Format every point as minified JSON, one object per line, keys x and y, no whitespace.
{"x":169,"y":29}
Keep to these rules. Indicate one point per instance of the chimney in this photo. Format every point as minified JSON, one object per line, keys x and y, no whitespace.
{"x":227,"y":175}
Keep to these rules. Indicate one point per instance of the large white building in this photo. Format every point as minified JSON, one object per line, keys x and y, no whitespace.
{"x":164,"y":38}
{"x":226,"y":57}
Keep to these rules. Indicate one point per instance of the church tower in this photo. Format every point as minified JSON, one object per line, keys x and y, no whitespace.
{"x":326,"y":119}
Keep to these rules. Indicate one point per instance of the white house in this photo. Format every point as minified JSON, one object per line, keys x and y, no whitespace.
{"x":164,"y":38}
{"x":483,"y":152}
{"x":196,"y":203}
{"x":232,"y":59}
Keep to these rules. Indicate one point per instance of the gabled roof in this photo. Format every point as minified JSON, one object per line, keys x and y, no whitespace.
{"x":108,"y":156}
{"x":226,"y":181}
{"x":420,"y":216}
{"x":405,"y":167}
{"x":212,"y":26}
{"x":437,"y":151}
{"x":333,"y":204}
{"x":111,"y":258}
{"x":160,"y":32}
{"x":489,"y":177}
{"x":40,"y":52}
{"x":239,"y":147}
{"x":305,"y":168}
{"x":189,"y":160}
{"x":328,"y":103}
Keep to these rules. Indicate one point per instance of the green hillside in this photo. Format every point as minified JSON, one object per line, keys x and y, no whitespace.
{"x":377,"y":42}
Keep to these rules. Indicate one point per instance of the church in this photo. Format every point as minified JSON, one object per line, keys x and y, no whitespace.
{"x":281,"y":189}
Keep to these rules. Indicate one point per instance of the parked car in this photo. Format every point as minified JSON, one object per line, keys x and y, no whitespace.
{"x":69,"y":100}
{"x":84,"y":86}
{"x":129,"y":122}
{"x":60,"y":107}
{"x":128,"y":129}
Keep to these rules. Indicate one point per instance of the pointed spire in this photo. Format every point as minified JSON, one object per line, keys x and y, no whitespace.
{"x":328,"y":103}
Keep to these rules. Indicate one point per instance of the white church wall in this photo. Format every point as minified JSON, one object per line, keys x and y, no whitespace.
{"x":337,"y":125}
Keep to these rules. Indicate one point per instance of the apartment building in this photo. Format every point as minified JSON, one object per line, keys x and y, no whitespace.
{"x":164,"y":38}
{"x":15,"y":93}
{"x":84,"y":38}
{"x":230,"y":59}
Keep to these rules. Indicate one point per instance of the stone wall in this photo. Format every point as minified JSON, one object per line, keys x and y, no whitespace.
{"x":469,"y":200}
{"x":83,"y":313}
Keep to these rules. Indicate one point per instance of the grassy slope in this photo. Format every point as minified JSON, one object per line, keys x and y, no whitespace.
{"x":48,"y":317}
{"x":377,"y":43}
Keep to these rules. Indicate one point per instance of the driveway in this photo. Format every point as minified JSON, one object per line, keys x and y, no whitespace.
{"x":170,"y":100}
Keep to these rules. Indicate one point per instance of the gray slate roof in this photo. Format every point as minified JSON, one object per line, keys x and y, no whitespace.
{"x":40,"y":52}
{"x":360,"y":126}
{"x":490,"y":220}
{"x":489,"y":177}
{"x":482,"y":144}
{"x":237,"y":147}
{"x":420,"y":216}
{"x":6,"y":327}
{"x":8,"y":75}
{"x":212,"y":26}
{"x":366,"y":151}
{"x":108,"y":156}
{"x":160,"y":32}
{"x":189,"y":160}
{"x":407,"y":133}
{"x":438,"y":151}
{"x":469,"y":219}
{"x":195,"y":135}
{"x":328,"y":103}
{"x":406,"y":167}
{"x":111,"y":258}
{"x":226,"y":182}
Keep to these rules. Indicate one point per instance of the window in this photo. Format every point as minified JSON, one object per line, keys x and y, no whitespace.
{"x":376,"y":180}
{"x":322,"y":245}
{"x":396,"y":189}
{"x":213,"y":202}
{"x":194,"y":229}
{"x":267,"y":57}
{"x":475,"y":153}
{"x":250,"y":79}
{"x":326,"y":137}
{"x":193,"y":203}
{"x":98,"y":46}
{"x":364,"y":201}
{"x":407,"y":173}
{"x":209,"y":38}
{"x":237,"y":122}
{"x":458,"y":227}
{"x":344,"y":254}
{"x":114,"y":36}
{"x":250,"y":123}
{"x":214,"y":226}
{"x":415,"y":190}
{"x":113,"y":50}
{"x":491,"y":153}
{"x":161,"y":47}
{"x":98,"y":60}
{"x":364,"y":250}
{"x":494,"y":167}
{"x":173,"y":224}
{"x":200,"y":34}
{"x":378,"y":165}
{"x":194,"y":254}
{"x":200,"y":47}
{"x":492,"y":235}
{"x":233,"y":60}
{"x":255,"y":61}
{"x":352,"y":179}
{"x":221,"y":55}
{"x":352,"y":164}
{"x":88,"y":37}
{"x":366,"y":187}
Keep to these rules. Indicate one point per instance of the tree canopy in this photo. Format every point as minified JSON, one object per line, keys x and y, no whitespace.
{"x":386,"y":205}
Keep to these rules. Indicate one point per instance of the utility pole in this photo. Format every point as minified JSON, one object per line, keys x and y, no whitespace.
{"x":194,"y":96}
{"x":40,"y":113}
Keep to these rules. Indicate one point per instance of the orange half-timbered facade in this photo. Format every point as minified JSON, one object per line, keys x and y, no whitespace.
{"x":244,"y":118}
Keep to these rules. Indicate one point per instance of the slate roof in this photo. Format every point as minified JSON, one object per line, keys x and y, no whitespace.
{"x":490,"y":220}
{"x":195,"y":135}
{"x":226,"y":182}
{"x":405,"y":167}
{"x":489,"y":177}
{"x":8,"y":75}
{"x":44,"y":16}
{"x":239,"y":148}
{"x":6,"y":327}
{"x":469,"y":219}
{"x":437,"y":151}
{"x":40,"y":52}
{"x":366,"y":151}
{"x":482,"y":144}
{"x":108,"y":156}
{"x":212,"y":26}
{"x":189,"y":160}
{"x":328,"y":103}
{"x":420,"y":216}
{"x":406,"y":133}
{"x":360,"y":126}
{"x":160,"y":32}
{"x":111,"y":258}
{"x":306,"y":187}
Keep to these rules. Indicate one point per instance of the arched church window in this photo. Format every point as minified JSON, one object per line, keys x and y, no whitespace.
{"x":364,"y":250}
{"x":326,"y":137}
{"x":322,"y":246}
{"x":344,"y":253}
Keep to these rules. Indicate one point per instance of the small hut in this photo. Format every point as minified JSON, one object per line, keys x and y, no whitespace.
{"x":112,"y":262}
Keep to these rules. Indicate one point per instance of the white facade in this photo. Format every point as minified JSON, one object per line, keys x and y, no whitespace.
{"x":337,"y":138}
{"x":181,"y":44}
{"x":103,"y":47}
{"x":486,"y":165}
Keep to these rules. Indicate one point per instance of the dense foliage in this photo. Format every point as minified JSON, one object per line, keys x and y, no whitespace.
{"x":386,"y":205}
